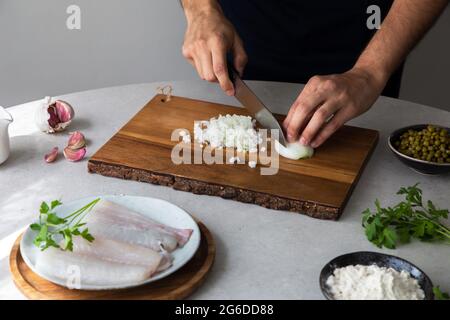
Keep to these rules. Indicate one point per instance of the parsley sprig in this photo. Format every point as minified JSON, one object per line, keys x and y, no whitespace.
{"x":439,"y":295}
{"x":50,"y":225}
{"x":412,"y":218}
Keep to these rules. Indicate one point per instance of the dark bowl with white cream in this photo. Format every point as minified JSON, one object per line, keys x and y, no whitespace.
{"x":367,"y":258}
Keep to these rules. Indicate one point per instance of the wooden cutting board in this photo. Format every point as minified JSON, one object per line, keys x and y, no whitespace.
{"x":318,"y":187}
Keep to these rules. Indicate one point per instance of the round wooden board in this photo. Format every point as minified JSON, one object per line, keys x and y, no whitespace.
{"x":176,"y":286}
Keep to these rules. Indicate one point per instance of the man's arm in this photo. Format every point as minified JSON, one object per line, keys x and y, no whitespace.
{"x":404,"y":26}
{"x":346,"y":96}
{"x":209,"y":36}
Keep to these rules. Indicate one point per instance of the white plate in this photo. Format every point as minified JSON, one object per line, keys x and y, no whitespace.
{"x":156,"y":209}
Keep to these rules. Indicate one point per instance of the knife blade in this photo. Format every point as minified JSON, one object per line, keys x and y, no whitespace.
{"x":254,"y":105}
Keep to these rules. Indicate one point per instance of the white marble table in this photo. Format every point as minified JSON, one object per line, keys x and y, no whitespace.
{"x":261,"y":253}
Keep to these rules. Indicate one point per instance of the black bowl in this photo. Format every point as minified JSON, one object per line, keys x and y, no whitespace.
{"x":421,"y":166}
{"x":373,"y":258}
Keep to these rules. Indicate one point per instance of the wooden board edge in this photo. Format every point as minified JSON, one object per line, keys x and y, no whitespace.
{"x":19,"y":281}
{"x":227,"y":192}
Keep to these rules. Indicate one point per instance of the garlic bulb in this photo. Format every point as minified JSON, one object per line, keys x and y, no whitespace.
{"x":51,"y":117}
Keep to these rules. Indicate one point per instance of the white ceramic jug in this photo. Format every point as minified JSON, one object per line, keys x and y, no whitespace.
{"x":5,"y":120}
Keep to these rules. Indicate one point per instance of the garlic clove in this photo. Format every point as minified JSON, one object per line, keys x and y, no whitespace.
{"x":65,"y":115}
{"x":76,"y":141}
{"x":52,"y":156}
{"x":64,"y":110}
{"x":74,"y":155}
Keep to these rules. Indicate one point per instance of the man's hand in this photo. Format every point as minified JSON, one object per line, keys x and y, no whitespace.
{"x":349,"y":94}
{"x":209,"y":37}
{"x":327,"y":102}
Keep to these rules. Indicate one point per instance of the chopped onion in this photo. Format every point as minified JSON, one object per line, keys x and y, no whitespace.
{"x":230,"y":131}
{"x":235,"y":131}
{"x":294,"y":151}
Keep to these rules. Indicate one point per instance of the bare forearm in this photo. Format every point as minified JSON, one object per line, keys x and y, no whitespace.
{"x":195,"y":7}
{"x":404,"y":26}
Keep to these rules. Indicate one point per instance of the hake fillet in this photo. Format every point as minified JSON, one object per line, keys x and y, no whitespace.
{"x":91,"y":270}
{"x":113,"y":221}
{"x":121,"y":252}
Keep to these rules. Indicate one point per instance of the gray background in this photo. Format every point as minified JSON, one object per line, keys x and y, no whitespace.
{"x":136,"y":41}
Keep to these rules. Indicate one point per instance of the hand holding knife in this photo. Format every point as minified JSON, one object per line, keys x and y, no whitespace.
{"x":254,"y":105}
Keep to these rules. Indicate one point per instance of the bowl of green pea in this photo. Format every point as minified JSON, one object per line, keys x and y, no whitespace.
{"x":423,"y":148}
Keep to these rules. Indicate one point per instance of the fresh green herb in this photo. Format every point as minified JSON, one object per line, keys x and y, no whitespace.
{"x":439,"y":295}
{"x":385,"y":227}
{"x":51,"y":225}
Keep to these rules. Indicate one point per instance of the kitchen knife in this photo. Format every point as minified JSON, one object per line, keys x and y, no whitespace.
{"x":254,"y":105}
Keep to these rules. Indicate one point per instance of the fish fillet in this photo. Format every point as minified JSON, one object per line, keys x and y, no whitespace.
{"x":114,"y":221}
{"x":121,"y":252}
{"x":92,"y":270}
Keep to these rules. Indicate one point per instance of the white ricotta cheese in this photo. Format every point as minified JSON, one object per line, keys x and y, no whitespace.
{"x":373,"y":283}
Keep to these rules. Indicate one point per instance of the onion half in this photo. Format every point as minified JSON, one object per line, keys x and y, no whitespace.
{"x":294,"y":151}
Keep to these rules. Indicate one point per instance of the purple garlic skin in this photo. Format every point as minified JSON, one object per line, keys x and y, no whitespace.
{"x":52,"y":156}
{"x":76,"y":141}
{"x":74,"y":155}
{"x":54,"y":116}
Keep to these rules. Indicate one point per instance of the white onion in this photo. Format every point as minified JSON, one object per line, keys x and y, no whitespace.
{"x":294,"y":151}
